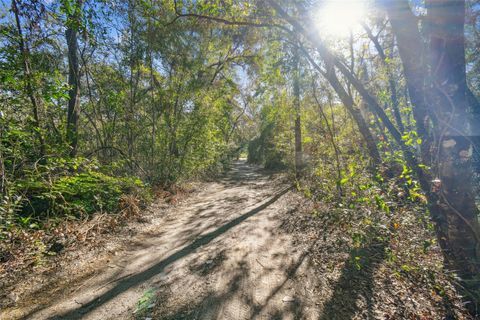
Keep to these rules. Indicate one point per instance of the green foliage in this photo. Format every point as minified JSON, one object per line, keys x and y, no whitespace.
{"x":273,"y":147}
{"x":160,"y":104}
{"x":70,"y":188}
{"x":145,"y":303}
{"x":262,"y":150}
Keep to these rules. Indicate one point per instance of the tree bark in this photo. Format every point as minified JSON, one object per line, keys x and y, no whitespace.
{"x":454,"y":209}
{"x":448,"y":150}
{"x":73,"y":108}
{"x":298,"y":121}
{"x":3,"y":174}
{"x":474,"y":105}
{"x":475,"y":128}
{"x":29,"y":81}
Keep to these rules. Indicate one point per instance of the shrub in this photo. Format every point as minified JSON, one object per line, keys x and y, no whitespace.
{"x":73,"y":187}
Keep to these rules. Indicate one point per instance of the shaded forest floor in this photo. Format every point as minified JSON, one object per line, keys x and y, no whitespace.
{"x":245,"y":246}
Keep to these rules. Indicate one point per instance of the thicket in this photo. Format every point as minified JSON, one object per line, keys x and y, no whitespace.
{"x":384,"y":139}
{"x":101,"y":101}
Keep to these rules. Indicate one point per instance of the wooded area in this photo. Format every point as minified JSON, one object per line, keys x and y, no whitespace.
{"x":372,"y":105}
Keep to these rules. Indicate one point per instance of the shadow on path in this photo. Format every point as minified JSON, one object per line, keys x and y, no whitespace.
{"x":356,"y":281}
{"x":131,"y":281}
{"x":289,"y":274}
{"x":210,"y":305}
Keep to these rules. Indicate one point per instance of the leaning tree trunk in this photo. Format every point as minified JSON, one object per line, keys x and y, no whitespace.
{"x":356,"y":114}
{"x":448,"y":150}
{"x":349,"y":105}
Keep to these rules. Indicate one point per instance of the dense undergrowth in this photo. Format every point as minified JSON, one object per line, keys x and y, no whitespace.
{"x":377,"y":217}
{"x":55,"y":201}
{"x":369,"y":264}
{"x":49,"y":201}
{"x":86,"y":133}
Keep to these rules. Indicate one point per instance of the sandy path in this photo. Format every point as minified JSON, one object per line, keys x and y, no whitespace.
{"x":221,"y":255}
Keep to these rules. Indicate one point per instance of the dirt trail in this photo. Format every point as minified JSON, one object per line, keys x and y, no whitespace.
{"x":220,"y":255}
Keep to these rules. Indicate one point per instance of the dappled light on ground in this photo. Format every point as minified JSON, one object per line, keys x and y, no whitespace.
{"x":225,"y":237}
{"x":232,"y":251}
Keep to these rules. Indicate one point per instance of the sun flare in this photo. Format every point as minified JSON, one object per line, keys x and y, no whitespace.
{"x":337,"y":18}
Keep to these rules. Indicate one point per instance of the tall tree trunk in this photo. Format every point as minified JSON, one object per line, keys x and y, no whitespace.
{"x":3,"y":174}
{"x":298,"y":121}
{"x":474,"y":109}
{"x":404,"y":25}
{"x":29,"y":81}
{"x":451,"y":198}
{"x":349,"y":105}
{"x":73,"y":109}
{"x":474,"y":105}
{"x":134,"y":77}
{"x":453,"y":204}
